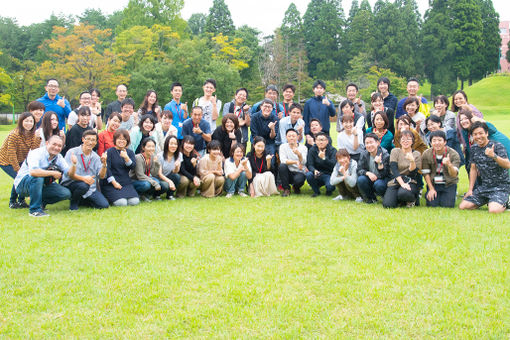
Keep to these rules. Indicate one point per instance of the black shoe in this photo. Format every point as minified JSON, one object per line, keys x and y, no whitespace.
{"x":297,"y":190}
{"x":38,"y":214}
{"x":23,"y":205}
{"x":14,"y":205}
{"x":285,"y":193}
{"x":329,"y":193}
{"x":315,"y":194}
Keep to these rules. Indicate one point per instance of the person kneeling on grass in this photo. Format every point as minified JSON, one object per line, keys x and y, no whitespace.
{"x":188,"y":170}
{"x":373,"y":169}
{"x":292,"y":163}
{"x":88,"y":167}
{"x":490,"y":162}
{"x":210,"y":170}
{"x":404,"y":165}
{"x":237,"y":171}
{"x":263,"y":182}
{"x":146,"y":174}
{"x":38,"y":174}
{"x":321,"y":160}
{"x":440,"y":166}
{"x":344,"y":176}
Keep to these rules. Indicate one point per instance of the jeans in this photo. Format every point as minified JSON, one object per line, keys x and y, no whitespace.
{"x":78,"y":189}
{"x":41,"y":194}
{"x":176,"y":178}
{"x":233,"y":185}
{"x":316,"y":183}
{"x":369,"y":189}
{"x":145,"y":187}
{"x":446,"y":196}
{"x":9,"y":170}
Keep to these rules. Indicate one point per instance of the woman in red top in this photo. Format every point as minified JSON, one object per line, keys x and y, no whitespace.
{"x":105,"y":140}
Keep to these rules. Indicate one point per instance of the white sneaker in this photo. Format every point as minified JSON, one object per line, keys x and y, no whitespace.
{"x":229,"y":195}
{"x":338,"y":198}
{"x":359,"y":199}
{"x":242,"y":194}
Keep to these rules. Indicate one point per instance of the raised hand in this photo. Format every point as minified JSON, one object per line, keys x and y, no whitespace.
{"x":489,"y":152}
{"x":104,"y":158}
{"x":378,"y":159}
{"x":74,"y":159}
{"x":62,"y":102}
{"x":409,"y":156}
{"x":124,"y":155}
{"x":325,"y":100}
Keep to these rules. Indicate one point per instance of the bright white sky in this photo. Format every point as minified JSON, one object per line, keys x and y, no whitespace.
{"x":265,"y":15}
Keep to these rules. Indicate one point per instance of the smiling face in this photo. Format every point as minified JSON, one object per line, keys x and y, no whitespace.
{"x":173,"y":144}
{"x":127,"y":111}
{"x":295,"y":114}
{"x":322,"y":142}
{"x":315,"y":127}
{"x":371,"y":145}
{"x":440,"y":107}
{"x":196,"y":115}
{"x":480,"y":136}
{"x":113,"y":123}
{"x":406,"y":141}
{"x":149,"y":148}
{"x":151,"y":99}
{"x":121,"y":142}
{"x":214,"y":153}
{"x":54,"y":145}
{"x":378,"y":104}
{"x":37,"y":114}
{"x":402,"y":125}
{"x":433,"y":126}
{"x":459,"y":100}
{"x":94,"y":97}
{"x":412,"y":88}
{"x":351,"y":93}
{"x":438,"y":143}
{"x":176,"y":93}
{"x":208,"y":89}
{"x":292,"y":137}
{"x":166,"y":122}
{"x":121,"y":92}
{"x":238,"y":154}
{"x":259,"y":148}
{"x":229,"y":125}
{"x":89,"y":142}
{"x":188,"y":147}
{"x":465,"y":122}
{"x":343,"y":161}
{"x":382,"y":87}
{"x":52,"y":88}
{"x":411,"y":108}
{"x":272,"y":95}
{"x":240,"y":97}
{"x":147,"y":125}
{"x":288,"y":94}
{"x":348,"y":124}
{"x":85,"y":99}
{"x":84,"y":119}
{"x":28,"y":123}
{"x":266,"y":109}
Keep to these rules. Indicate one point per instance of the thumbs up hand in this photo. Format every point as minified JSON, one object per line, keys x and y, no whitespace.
{"x":490,"y":152}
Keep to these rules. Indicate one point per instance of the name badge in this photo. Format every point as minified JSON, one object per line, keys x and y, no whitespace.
{"x":439,"y":180}
{"x":180,"y":124}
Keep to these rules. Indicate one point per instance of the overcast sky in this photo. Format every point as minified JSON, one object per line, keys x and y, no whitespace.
{"x":264,"y":15}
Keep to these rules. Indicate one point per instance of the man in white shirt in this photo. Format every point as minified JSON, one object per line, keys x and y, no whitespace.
{"x":211,"y":105}
{"x":292,"y":167}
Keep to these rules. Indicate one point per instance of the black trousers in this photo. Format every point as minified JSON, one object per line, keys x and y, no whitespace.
{"x":288,"y":177}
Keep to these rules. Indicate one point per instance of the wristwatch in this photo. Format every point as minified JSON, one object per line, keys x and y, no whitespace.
{"x":495,"y":157}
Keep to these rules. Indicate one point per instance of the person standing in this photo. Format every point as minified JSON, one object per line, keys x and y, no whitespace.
{"x":319,"y":107}
{"x":209,"y":103}
{"x":55,"y":103}
{"x":179,"y":110}
{"x":121,"y":91}
{"x":288,"y":92}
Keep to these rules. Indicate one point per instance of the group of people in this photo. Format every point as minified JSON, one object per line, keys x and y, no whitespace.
{"x":387,"y":148}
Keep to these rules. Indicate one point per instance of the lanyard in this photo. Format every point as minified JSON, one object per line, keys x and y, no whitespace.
{"x":86,"y":167}
{"x":439,"y":167}
{"x":261,"y":163}
{"x":147,"y":169}
{"x":285,"y":110}
{"x":180,"y":114}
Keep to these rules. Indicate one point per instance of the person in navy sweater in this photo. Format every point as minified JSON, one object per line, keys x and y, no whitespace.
{"x":319,"y":107}
{"x":53,"y":102}
{"x":265,"y":124}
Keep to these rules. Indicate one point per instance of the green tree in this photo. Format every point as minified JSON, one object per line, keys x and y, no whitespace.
{"x":219,"y":19}
{"x":438,"y":48}
{"x":468,"y":42}
{"x":250,"y":41}
{"x":196,"y":23}
{"x":323,"y":24}
{"x":150,"y":12}
{"x":358,"y":35}
{"x":93,"y":17}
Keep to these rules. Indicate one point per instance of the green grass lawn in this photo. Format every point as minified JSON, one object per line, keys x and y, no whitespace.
{"x":256,"y":268}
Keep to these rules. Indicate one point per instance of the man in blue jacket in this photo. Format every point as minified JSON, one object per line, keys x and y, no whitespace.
{"x":271,"y":93}
{"x":265,"y":124}
{"x":318,"y":107}
{"x":53,"y":102}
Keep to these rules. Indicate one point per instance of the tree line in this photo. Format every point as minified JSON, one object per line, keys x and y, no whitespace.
{"x":147,"y":45}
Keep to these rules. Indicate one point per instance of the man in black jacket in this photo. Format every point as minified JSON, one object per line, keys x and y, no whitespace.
{"x":373,"y":169}
{"x":320,"y":163}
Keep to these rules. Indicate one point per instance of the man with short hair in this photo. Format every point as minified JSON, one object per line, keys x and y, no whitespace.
{"x":89,"y":166}
{"x":116,"y":106}
{"x":292,"y":167}
{"x":210,"y":104}
{"x":490,"y":163}
{"x":319,"y":107}
{"x":270,"y":94}
{"x":351,"y":92}
{"x":38,"y":174}
{"x":373,"y":169}
{"x":53,"y":102}
{"x":127,"y":113}
{"x":321,"y":161}
{"x":179,"y":110}
{"x":383,"y":87}
{"x":440,"y":167}
{"x":292,"y":121}
{"x":288,"y":92}
{"x":85,"y":100}
{"x":74,"y":135}
{"x":413,"y":86}
{"x":199,"y":128}
{"x":264,"y":124}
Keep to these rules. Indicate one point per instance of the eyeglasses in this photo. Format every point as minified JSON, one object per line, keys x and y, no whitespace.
{"x":52,"y":86}
{"x":91,"y":139}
